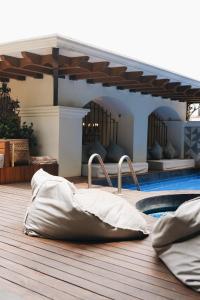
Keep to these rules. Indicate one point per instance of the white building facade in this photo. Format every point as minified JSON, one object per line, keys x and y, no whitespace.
{"x":59,"y":127}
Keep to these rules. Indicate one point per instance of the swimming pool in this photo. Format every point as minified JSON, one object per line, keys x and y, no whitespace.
{"x":161,"y":181}
{"x":188,"y":179}
{"x":185,"y":181}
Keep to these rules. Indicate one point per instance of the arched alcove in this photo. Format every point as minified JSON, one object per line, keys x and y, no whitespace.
{"x":99,"y":124}
{"x":164,"y":124}
{"x":108,"y":120}
{"x":166,"y":113}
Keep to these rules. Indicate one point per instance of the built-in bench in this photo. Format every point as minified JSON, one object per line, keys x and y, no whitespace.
{"x":139,"y":167}
{"x":171,"y":164}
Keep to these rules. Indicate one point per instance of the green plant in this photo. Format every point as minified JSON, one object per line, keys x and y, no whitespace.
{"x":27,"y":132}
{"x":10,"y":122}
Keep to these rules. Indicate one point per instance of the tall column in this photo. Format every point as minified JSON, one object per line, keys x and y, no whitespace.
{"x":70,"y":140}
{"x":59,"y":133}
{"x":140,"y":133}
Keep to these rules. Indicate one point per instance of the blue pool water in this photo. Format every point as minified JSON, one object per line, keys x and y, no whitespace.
{"x":158,"y":215}
{"x":190,"y":181}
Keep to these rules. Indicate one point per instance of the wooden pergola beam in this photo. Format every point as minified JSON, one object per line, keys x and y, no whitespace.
{"x":193,"y":101}
{"x":91,"y":75}
{"x":114,"y":76}
{"x":132,"y":75}
{"x":149,"y":82}
{"x":111,"y":73}
{"x":147,"y":78}
{"x":32,"y":61}
{"x":65,"y":61}
{"x":12,"y":75}
{"x":139,"y":82}
{"x":167,"y":89}
{"x":95,"y":66}
{"x":80,"y":68}
{"x":184,"y":98}
{"x":3,"y":79}
{"x":183,"y":88}
{"x":122,"y":83}
{"x":116,"y":71}
{"x":192,"y":92}
{"x":13,"y":64}
{"x":160,"y":82}
{"x":90,"y":70}
{"x":137,"y":86}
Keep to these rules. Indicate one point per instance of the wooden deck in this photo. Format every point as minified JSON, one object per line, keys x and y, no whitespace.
{"x":34,"y":268}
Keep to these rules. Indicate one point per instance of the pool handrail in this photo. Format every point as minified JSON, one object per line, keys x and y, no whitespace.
{"x":135,"y":180}
{"x":102,"y":166}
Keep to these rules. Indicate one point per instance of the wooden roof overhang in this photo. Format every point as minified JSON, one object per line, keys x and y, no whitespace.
{"x":80,"y":68}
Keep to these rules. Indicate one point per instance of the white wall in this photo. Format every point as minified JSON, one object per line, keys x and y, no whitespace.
{"x":59,"y":133}
{"x":134,"y":106}
{"x":46,"y":127}
{"x":70,"y":141}
{"x":125,"y":129}
{"x":60,"y":136}
{"x":175,"y":134}
{"x":33,"y":92}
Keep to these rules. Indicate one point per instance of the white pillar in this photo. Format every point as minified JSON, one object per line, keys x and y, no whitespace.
{"x":59,"y":133}
{"x":70,"y":140}
{"x":140,"y":133}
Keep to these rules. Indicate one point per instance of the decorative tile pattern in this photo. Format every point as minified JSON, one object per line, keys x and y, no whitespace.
{"x":192,"y":143}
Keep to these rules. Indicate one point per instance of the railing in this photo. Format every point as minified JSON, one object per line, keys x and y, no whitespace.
{"x":127,"y":158}
{"x":102,"y":166}
{"x":157,"y":131}
{"x":100,"y":125}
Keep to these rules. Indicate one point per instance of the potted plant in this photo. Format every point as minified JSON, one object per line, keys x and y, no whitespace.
{"x":20,"y":136}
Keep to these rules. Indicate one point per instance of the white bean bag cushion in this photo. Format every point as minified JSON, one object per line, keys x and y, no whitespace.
{"x":176,"y":239}
{"x":60,"y":211}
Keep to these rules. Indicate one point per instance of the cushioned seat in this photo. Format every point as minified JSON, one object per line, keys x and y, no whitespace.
{"x":60,"y":211}
{"x":171,"y":164}
{"x":139,"y":167}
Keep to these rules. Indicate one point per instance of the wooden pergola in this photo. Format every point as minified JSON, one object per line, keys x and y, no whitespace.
{"x":80,"y":68}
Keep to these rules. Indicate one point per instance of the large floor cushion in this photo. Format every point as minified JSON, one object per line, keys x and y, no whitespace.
{"x":60,"y":211}
{"x":139,"y":167}
{"x":176,"y":239}
{"x":171,"y":164}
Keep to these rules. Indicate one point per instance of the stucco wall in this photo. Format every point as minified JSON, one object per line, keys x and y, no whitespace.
{"x":46,"y":128}
{"x":59,"y":135}
{"x":33,"y":92}
{"x":175,"y":134}
{"x":133,"y":107}
{"x":192,"y":141}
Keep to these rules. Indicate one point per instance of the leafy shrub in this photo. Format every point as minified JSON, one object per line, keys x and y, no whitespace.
{"x":10,"y":122}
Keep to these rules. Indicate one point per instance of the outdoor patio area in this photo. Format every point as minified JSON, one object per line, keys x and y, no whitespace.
{"x":35,"y":268}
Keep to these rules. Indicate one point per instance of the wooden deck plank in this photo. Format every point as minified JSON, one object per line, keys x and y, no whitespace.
{"x":61,"y":256}
{"x":47,"y":269}
{"x":10,"y":290}
{"x":64,"y":266}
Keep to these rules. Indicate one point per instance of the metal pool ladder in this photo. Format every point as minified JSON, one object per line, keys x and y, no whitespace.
{"x":135,"y":180}
{"x":102,"y":166}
